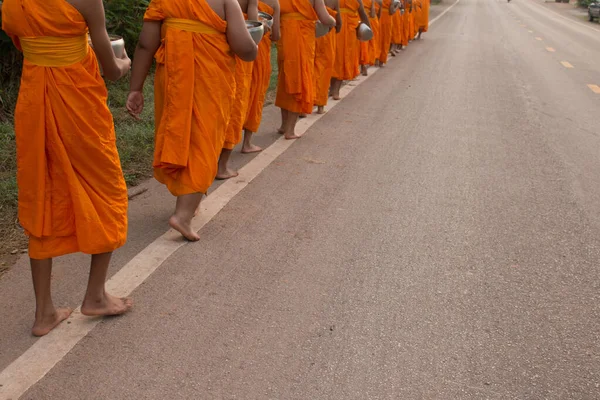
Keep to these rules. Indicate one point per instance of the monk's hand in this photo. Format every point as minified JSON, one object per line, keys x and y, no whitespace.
{"x":135,"y":104}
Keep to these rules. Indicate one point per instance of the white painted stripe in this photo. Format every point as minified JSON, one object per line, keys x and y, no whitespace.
{"x":47,"y":351}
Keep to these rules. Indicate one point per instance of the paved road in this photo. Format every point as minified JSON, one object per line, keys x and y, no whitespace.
{"x":436,"y":235}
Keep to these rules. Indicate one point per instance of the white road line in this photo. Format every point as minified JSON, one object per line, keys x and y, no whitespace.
{"x":47,"y":351}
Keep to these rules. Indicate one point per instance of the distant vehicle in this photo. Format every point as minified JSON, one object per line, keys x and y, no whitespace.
{"x":594,"y":11}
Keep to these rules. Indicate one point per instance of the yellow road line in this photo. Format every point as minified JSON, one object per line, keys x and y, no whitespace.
{"x":530,"y":31}
{"x":594,"y":88}
{"x":567,"y":64}
{"x":538,"y":38}
{"x":550,"y":49}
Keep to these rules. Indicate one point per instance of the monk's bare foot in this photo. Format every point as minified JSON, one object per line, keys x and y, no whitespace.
{"x":291,"y":136}
{"x":281,"y":131}
{"x":320,"y":110}
{"x":197,"y":211}
{"x":251,"y":148}
{"x":303,"y":115}
{"x":227,"y":174}
{"x":44,"y":325}
{"x":106,"y":306}
{"x":336,"y":97}
{"x":184,"y":228}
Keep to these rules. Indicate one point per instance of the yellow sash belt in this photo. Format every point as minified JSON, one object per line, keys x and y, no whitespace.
{"x":293,"y":16}
{"x":48,"y":51}
{"x":189,"y":25}
{"x":348,"y":11}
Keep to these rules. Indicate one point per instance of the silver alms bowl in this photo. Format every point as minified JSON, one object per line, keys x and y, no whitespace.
{"x":256,"y":29}
{"x":364,"y":33}
{"x":267,"y":18}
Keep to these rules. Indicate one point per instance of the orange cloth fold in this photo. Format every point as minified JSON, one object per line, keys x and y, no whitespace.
{"x":324,"y":62}
{"x":243,"y":81}
{"x":374,"y":43}
{"x":369,"y":51}
{"x":261,"y":77}
{"x":348,"y":45}
{"x":72,"y":195}
{"x":406,"y":26}
{"x":194,"y":89}
{"x":422,"y":16}
{"x":296,"y":56}
{"x":385,"y":31}
{"x":397,"y":28}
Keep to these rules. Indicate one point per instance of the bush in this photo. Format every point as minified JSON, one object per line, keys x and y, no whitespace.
{"x":124,"y":18}
{"x":585,"y":3}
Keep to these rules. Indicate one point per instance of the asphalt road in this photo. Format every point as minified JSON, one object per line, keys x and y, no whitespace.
{"x":435,"y":236}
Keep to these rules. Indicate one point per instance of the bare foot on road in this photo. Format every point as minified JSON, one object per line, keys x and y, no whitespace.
{"x":252,"y":148}
{"x":44,"y":325}
{"x":107,"y":306}
{"x":226,"y":175}
{"x":184,"y":228}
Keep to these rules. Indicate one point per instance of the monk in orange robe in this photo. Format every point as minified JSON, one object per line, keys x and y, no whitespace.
{"x":397,"y":31}
{"x":375,"y":42}
{"x":422,"y":17}
{"x":348,"y":46}
{"x":406,"y":22}
{"x":364,"y":47}
{"x":243,"y":79}
{"x":296,"y":59}
{"x":195,"y":44}
{"x":325,"y":57}
{"x":385,"y":31}
{"x":412,"y":31}
{"x":72,"y":195}
{"x":261,"y":77}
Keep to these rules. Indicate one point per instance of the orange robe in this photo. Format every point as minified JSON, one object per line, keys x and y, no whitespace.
{"x":422,"y":16}
{"x":397,"y":28}
{"x":324,"y":61}
{"x":296,"y":56}
{"x":72,"y":195}
{"x":243,"y":81}
{"x":385,"y":31}
{"x":261,"y":77}
{"x":406,"y":26}
{"x":411,"y":30}
{"x":194,"y":87}
{"x":364,"y":57}
{"x":375,"y":43}
{"x":348,"y":45}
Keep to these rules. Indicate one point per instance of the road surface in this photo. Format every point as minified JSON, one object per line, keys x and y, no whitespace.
{"x":436,"y":235}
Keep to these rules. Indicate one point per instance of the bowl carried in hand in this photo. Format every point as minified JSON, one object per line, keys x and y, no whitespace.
{"x":256,"y":30}
{"x":321,"y":29}
{"x":118,"y":46}
{"x":267,"y":18}
{"x":364,"y":33}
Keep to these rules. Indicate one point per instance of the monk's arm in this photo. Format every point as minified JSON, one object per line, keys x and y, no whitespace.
{"x":338,"y":17}
{"x":364,"y":18}
{"x":253,"y":10}
{"x":238,"y":37}
{"x":373,"y":11}
{"x":275,"y":35}
{"x":93,"y":12}
{"x":144,"y":54}
{"x":322,"y":14}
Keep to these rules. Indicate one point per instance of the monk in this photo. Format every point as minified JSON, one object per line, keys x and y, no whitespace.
{"x":325,"y":57}
{"x":406,"y":22}
{"x":397,"y":31}
{"x":411,"y":30}
{"x":195,"y":44}
{"x":422,"y":17}
{"x":364,"y":47}
{"x":296,"y":58}
{"x":385,"y":31}
{"x":348,"y":45}
{"x":261,"y":76}
{"x":243,"y":79}
{"x":72,"y":195}
{"x":375,"y":42}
